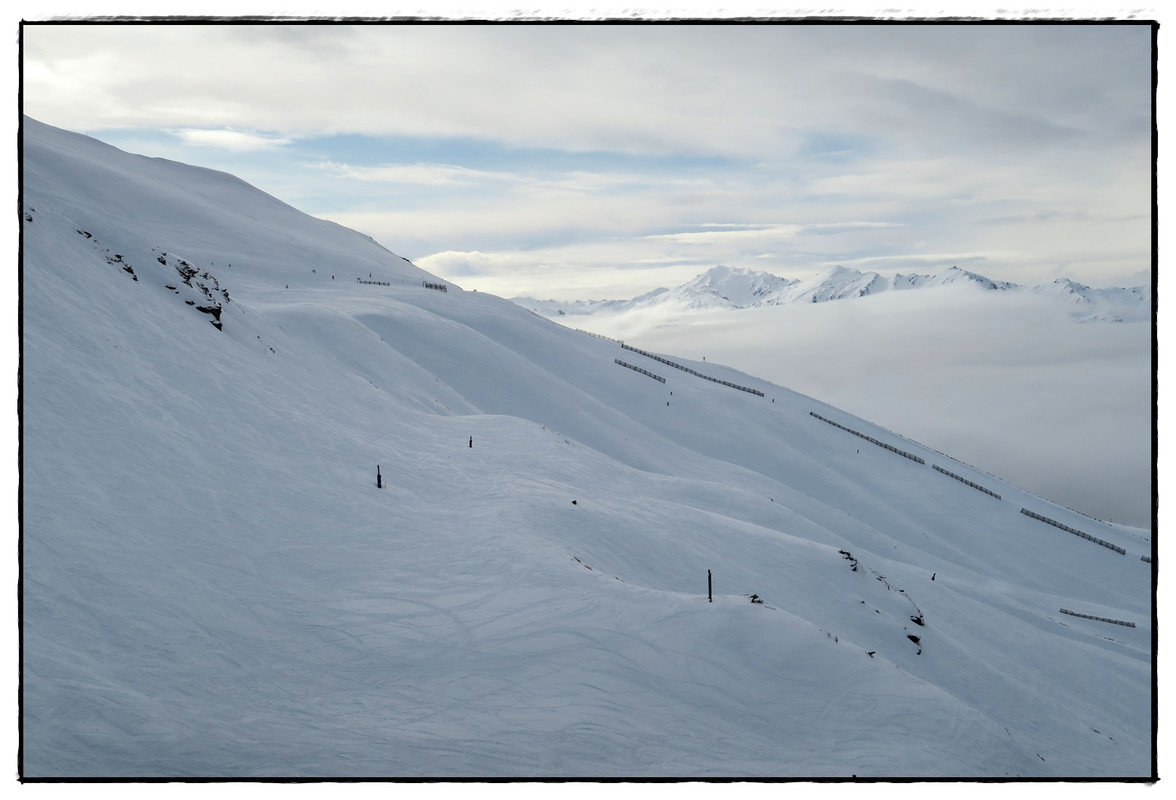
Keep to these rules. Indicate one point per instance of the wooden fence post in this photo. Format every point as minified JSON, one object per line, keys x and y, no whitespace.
{"x":709,"y":596}
{"x":379,"y":484}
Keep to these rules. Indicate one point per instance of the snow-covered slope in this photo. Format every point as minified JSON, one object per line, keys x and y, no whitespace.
{"x":1099,"y":305}
{"x":732,"y":287}
{"x":214,"y":585}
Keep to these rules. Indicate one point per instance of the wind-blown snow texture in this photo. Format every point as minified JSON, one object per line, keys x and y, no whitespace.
{"x":213,"y":585}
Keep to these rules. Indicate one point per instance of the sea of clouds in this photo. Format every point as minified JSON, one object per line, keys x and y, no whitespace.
{"x":1008,"y":382}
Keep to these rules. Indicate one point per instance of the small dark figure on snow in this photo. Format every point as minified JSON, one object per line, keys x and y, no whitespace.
{"x":932,"y":576}
{"x":379,"y":480}
{"x":471,"y":441}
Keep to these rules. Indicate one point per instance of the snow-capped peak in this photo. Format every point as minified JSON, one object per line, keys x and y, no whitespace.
{"x":729,"y":286}
{"x":955,"y":275}
{"x":1113,"y":304}
{"x":836,"y":283}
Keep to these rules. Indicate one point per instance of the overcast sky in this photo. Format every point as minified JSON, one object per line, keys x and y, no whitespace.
{"x":575,"y":161}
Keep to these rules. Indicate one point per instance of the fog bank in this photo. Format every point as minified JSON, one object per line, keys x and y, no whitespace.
{"x":1008,"y":383}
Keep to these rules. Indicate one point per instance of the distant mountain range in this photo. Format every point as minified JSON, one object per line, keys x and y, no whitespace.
{"x":733,"y":287}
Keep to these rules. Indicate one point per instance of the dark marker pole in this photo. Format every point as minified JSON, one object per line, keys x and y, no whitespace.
{"x":709,"y":596}
{"x":379,"y":483}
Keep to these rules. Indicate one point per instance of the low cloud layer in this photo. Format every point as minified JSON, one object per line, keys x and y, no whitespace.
{"x":1007,"y":383}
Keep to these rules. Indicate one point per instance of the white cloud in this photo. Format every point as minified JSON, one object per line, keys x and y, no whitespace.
{"x":724,"y":236}
{"x":924,"y":261}
{"x":788,"y":146}
{"x":457,"y":264}
{"x":424,"y":174}
{"x":564,"y":273}
{"x":736,"y":90}
{"x":237,"y":141}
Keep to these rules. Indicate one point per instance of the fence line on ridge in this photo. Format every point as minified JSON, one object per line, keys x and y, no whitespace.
{"x":869,"y":439}
{"x":638,"y":369}
{"x":964,"y":480}
{"x":1100,"y":619}
{"x":598,"y":335}
{"x":695,"y":373}
{"x":1074,"y":531}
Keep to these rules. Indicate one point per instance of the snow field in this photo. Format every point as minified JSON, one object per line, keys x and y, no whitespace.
{"x":214,"y":586}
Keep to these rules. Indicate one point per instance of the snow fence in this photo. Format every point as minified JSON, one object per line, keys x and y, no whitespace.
{"x":1074,"y":531}
{"x":693,"y":372}
{"x":938,"y":468}
{"x":598,"y":336}
{"x":1100,"y":619}
{"x":869,"y":439}
{"x":638,"y":369}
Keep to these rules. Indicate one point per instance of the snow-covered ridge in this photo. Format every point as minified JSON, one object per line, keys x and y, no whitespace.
{"x":1099,"y":305}
{"x":214,"y":583}
{"x":732,"y":287}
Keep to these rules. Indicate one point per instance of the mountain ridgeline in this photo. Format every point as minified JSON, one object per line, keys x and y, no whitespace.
{"x":730,"y":287}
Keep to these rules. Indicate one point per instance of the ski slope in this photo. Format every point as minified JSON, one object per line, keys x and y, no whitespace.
{"x":213,"y":584}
